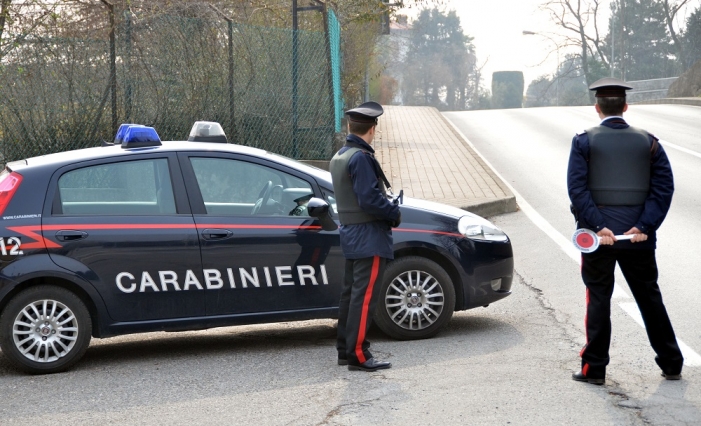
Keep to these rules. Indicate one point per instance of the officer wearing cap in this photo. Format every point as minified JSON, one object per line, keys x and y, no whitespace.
{"x":367,"y":217}
{"x":620,"y":182}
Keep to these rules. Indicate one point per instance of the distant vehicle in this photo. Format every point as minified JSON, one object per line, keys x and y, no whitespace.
{"x":146,"y":236}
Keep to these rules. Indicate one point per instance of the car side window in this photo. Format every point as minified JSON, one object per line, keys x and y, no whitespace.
{"x":141,"y":187}
{"x":331,"y":199}
{"x":234,"y":187}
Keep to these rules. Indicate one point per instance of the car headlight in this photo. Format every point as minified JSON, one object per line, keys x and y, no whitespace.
{"x":477,"y":228}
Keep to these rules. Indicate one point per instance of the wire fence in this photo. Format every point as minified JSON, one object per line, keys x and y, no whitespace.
{"x":268,"y":87}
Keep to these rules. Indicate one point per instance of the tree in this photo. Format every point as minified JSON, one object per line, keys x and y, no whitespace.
{"x":18,"y":19}
{"x":579,"y":19}
{"x":540,"y":93}
{"x":691,"y":38}
{"x":671,"y":9}
{"x":644,"y":45}
{"x":440,"y":62}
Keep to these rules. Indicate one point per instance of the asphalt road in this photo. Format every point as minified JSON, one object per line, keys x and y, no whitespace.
{"x":506,"y":364}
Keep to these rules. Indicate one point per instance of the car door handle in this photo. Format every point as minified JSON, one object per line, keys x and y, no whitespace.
{"x":216,"y":234}
{"x":71,"y":235}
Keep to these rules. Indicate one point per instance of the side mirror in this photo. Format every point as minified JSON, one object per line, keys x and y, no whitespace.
{"x":319,"y":209}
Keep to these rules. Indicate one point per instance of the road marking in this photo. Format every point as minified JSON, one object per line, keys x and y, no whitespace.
{"x":680,"y":148}
{"x":691,"y":358}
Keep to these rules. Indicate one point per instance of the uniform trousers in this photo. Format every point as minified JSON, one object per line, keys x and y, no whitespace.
{"x":639,"y":268}
{"x":361,"y":284}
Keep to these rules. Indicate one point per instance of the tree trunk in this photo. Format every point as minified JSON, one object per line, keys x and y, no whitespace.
{"x":4,"y":12}
{"x":670,"y":14}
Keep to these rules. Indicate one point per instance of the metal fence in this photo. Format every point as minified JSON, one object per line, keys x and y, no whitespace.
{"x":57,"y":93}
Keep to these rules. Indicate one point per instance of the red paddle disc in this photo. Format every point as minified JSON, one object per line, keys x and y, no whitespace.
{"x":585,"y":240}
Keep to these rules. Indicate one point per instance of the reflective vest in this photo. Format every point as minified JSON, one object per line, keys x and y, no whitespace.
{"x":349,"y":211}
{"x":619,"y":166}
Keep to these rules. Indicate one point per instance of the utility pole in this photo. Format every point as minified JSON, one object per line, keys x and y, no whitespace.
{"x":557,"y":70}
{"x":613,"y":41}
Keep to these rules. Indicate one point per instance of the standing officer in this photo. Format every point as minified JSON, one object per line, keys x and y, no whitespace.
{"x":367,"y":217}
{"x":620,"y":182}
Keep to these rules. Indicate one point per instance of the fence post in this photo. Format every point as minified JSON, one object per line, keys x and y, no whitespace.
{"x":113,"y":65}
{"x":127,"y":77}
{"x":295,"y":66}
{"x":232,"y":104}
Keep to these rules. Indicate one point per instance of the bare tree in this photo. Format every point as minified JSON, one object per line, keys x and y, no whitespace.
{"x":580,"y":20}
{"x":671,"y":9}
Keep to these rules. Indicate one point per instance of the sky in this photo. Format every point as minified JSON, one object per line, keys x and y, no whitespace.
{"x":497,"y":29}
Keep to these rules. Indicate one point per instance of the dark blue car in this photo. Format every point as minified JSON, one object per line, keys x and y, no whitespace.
{"x":145,"y":236}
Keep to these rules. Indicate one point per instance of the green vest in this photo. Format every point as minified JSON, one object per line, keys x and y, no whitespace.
{"x":349,"y":211}
{"x":619,"y":166}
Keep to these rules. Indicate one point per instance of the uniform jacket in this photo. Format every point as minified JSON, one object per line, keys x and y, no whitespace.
{"x":619,"y":219}
{"x":372,"y":238}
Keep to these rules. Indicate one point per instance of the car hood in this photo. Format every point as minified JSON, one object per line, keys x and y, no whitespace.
{"x":443,"y":209}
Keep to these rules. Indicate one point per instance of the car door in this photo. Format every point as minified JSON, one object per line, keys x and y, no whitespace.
{"x":259,"y":246}
{"x":125,"y":225}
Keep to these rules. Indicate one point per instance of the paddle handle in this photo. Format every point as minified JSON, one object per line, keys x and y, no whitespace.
{"x":624,"y":237}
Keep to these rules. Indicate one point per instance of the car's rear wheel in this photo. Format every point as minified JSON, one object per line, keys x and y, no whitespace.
{"x":45,"y":329}
{"x":417,"y":298}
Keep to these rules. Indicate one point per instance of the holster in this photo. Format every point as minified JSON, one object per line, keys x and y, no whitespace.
{"x":574,"y":213}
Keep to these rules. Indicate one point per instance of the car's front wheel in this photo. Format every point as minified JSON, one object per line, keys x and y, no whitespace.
{"x":45,"y":329}
{"x":417,"y":298}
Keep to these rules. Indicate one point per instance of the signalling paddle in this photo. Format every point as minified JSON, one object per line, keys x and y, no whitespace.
{"x":586,"y":240}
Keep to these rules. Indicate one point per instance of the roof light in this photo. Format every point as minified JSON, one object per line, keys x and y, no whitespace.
{"x":207,"y":131}
{"x":140,"y":137}
{"x":119,"y":137}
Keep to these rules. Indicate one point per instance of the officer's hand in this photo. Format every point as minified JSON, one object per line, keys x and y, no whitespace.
{"x":639,"y":236}
{"x":607,"y":237}
{"x":397,"y":221}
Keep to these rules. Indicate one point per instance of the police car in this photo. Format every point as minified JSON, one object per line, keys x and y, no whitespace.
{"x":143,"y":235}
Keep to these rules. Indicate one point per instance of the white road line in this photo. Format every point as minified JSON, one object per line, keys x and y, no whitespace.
{"x":680,"y":148}
{"x":691,"y":358}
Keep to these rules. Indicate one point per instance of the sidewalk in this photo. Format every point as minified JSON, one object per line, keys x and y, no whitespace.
{"x":422,"y":154}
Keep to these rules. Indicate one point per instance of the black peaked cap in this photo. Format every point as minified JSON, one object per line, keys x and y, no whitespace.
{"x":366,"y":112}
{"x":610,"y":87}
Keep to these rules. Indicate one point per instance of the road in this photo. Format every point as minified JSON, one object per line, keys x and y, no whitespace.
{"x":529,"y":149}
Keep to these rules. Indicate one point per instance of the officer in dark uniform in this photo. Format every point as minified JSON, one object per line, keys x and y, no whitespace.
{"x":620,"y":182}
{"x":367,"y":217}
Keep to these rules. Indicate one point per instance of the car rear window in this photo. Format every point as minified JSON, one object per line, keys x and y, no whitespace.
{"x":141,"y":187}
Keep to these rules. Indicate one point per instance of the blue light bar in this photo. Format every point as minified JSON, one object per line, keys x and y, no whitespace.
{"x":140,"y":137}
{"x":119,"y":137}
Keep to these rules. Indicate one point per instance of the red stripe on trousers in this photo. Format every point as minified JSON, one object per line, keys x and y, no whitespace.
{"x":364,"y":313}
{"x":586,"y":329}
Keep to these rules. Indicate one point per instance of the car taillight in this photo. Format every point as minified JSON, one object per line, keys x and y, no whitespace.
{"x":9,"y":182}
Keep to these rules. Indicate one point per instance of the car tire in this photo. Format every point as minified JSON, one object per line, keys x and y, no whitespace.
{"x":45,"y":329}
{"x":416,"y":299}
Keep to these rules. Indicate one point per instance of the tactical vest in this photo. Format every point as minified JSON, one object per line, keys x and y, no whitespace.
{"x":349,"y":211}
{"x":619,"y":166}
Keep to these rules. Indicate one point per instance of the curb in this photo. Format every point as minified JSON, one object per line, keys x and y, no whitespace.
{"x":493,"y":208}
